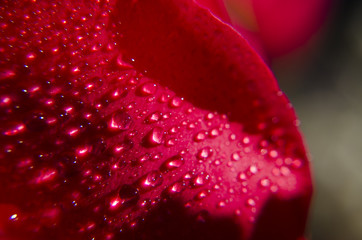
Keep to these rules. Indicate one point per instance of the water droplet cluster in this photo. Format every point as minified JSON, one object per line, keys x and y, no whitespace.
{"x":91,"y":144}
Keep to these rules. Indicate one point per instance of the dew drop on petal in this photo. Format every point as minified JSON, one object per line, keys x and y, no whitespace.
{"x":265,"y":182}
{"x":209,"y":116}
{"x":235,"y":156}
{"x":175,"y":102}
{"x":120,"y":120}
{"x":241,"y":177}
{"x":250,"y":202}
{"x":214,"y":133}
{"x":121,"y":63}
{"x":154,"y":117}
{"x":148,"y":89}
{"x":154,"y":137}
{"x":201,"y":195}
{"x":201,"y":179}
{"x":200,"y":136}
{"x":253,"y":169}
{"x":221,"y":204}
{"x":129,"y":194}
{"x":151,"y":180}
{"x":173,"y":163}
{"x":204,"y":153}
{"x":176,"y":187}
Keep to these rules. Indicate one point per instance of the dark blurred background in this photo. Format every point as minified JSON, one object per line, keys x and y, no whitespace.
{"x":324,"y":82}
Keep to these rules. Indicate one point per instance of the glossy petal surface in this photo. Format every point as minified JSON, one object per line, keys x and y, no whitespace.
{"x":142,"y":120}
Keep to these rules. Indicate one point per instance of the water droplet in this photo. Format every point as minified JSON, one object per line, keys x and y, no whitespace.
{"x":204,"y":153}
{"x":276,"y":172}
{"x":46,"y":175}
{"x":156,"y":156}
{"x":129,"y":194}
{"x":217,"y":162}
{"x":253,"y":169}
{"x":30,"y":56}
{"x":250,"y":202}
{"x":121,"y":63}
{"x":143,"y":158}
{"x":147,"y":89}
{"x":200,"y":136}
{"x":15,"y":130}
{"x":171,"y":142}
{"x":175,"y":188}
{"x":151,"y":180}
{"x":176,"y":102}
{"x":265,"y":182}
{"x":154,"y":117}
{"x":120,"y":121}
{"x":221,"y":204}
{"x":173,"y":130}
{"x":216,"y":187}
{"x":297,"y":163}
{"x":235,"y":156}
{"x":121,"y":148}
{"x":232,"y":137}
{"x":246,"y":140}
{"x":201,"y":179}
{"x":173,"y":163}
{"x":7,"y":74}
{"x":285,"y":171}
{"x":191,"y":126}
{"x":201,"y":195}
{"x":13,"y":217}
{"x":214,"y":133}
{"x":209,"y":116}
{"x":241,"y":176}
{"x":154,"y":137}
{"x":274,"y":188}
{"x":273,"y":154}
{"x":145,"y":203}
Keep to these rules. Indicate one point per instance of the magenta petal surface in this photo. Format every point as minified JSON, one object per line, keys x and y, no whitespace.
{"x":142,"y":120}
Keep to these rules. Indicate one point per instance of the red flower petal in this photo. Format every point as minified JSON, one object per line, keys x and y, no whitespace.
{"x":287,"y":25}
{"x":278,"y":27}
{"x":142,"y":120}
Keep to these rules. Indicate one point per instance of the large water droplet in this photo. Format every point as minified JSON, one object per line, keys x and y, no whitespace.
{"x":201,"y":195}
{"x":200,"y":136}
{"x":221,"y":204}
{"x":121,"y":63}
{"x":235,"y":156}
{"x":204,"y":153}
{"x":154,"y":117}
{"x":151,"y":180}
{"x":209,"y":116}
{"x":200,"y":179}
{"x":265,"y":182}
{"x":214,"y":133}
{"x":154,"y":137}
{"x":173,"y":163}
{"x":176,"y":102}
{"x":175,"y":188}
{"x":250,"y":202}
{"x":147,"y":89}
{"x":120,"y":120}
{"x":241,"y":177}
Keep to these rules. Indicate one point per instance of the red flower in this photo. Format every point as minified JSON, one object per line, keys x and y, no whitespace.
{"x":142,"y":120}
